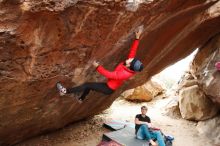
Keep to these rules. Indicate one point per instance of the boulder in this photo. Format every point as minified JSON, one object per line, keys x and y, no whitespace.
{"x":194,"y":105}
{"x":172,"y":108}
{"x":140,"y":94}
{"x":204,"y":74}
{"x":146,"y":92}
{"x":127,"y":93}
{"x":203,"y":69}
{"x":154,"y":87}
{"x":45,"y":41}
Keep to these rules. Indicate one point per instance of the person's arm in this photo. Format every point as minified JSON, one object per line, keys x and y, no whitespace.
{"x":112,"y":75}
{"x":138,"y":122}
{"x":133,"y":49}
{"x":135,"y":44}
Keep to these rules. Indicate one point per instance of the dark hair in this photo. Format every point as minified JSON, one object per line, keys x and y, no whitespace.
{"x":144,"y":107}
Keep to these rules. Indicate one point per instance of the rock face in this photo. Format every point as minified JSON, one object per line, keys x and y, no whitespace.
{"x":45,"y":41}
{"x":211,"y":129}
{"x":145,"y":92}
{"x":206,"y":78}
{"x":172,"y":108}
{"x":203,"y":68}
{"x":154,"y":87}
{"x":140,"y":94}
{"x":194,"y":105}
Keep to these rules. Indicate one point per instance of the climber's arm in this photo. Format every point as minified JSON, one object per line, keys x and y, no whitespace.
{"x":135,"y":44}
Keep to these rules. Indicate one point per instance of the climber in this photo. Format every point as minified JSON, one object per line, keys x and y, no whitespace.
{"x":121,"y":73}
{"x":217,"y":65}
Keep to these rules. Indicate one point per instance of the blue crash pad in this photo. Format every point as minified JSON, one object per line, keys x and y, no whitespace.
{"x":117,"y":124}
{"x":125,"y":137}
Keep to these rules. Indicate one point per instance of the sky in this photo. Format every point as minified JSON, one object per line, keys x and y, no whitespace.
{"x":174,"y":72}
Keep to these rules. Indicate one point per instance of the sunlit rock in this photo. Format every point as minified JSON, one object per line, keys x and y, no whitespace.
{"x":195,"y":105}
{"x":145,"y":92}
{"x":140,"y":94}
{"x":172,"y":108}
{"x":45,"y":41}
{"x":204,"y":70}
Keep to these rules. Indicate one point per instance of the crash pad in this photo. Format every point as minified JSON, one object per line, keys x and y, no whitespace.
{"x":117,"y":124}
{"x":125,"y":137}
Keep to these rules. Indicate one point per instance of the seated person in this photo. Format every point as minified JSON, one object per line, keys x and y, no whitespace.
{"x":144,"y":129}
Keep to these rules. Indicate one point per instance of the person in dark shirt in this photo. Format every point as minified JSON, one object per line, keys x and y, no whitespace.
{"x":145,"y":130}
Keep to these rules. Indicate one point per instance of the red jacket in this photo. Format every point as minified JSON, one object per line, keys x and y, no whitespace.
{"x":121,"y":72}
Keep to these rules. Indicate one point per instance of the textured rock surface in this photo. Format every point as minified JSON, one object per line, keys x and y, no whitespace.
{"x":127,"y":93}
{"x":211,"y":129}
{"x":140,"y":94}
{"x":154,"y":87}
{"x":45,"y":41}
{"x":203,"y":68}
{"x":204,"y":74}
{"x":172,"y":108}
{"x":145,"y":92}
{"x":195,"y":105}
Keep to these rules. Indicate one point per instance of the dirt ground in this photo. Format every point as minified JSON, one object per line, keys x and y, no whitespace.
{"x":89,"y":132}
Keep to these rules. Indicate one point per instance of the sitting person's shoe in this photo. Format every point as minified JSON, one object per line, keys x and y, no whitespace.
{"x":61,"y":89}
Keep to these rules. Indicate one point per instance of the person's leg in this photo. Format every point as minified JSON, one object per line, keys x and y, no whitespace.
{"x":82,"y":88}
{"x":143,"y":133}
{"x":99,"y":87}
{"x":85,"y":93}
{"x":76,"y":89}
{"x":86,"y":87}
{"x":157,"y":135}
{"x":140,"y":134}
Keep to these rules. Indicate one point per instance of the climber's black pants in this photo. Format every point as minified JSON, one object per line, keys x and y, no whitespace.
{"x":86,"y":87}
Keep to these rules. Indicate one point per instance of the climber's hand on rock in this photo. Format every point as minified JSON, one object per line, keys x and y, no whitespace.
{"x":95,"y":64}
{"x":138,"y":32}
